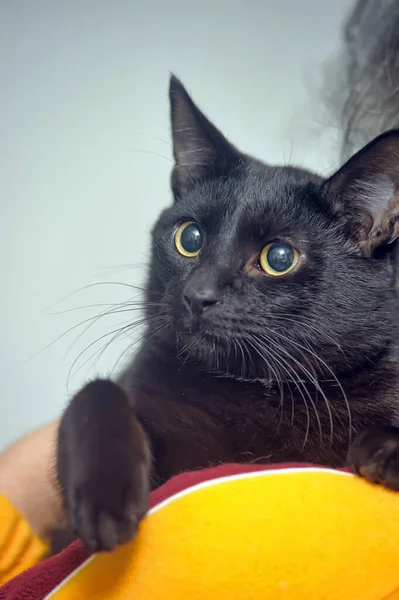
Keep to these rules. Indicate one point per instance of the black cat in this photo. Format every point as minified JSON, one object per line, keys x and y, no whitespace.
{"x":270,"y":327}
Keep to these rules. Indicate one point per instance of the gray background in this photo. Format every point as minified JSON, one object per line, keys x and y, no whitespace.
{"x":85,"y":154}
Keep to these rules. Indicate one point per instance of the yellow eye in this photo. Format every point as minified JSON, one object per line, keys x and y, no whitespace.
{"x":189,"y":239}
{"x":278,"y":258}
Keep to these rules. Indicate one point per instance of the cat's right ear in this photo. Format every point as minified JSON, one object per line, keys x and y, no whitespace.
{"x":364,"y":193}
{"x":200,"y":150}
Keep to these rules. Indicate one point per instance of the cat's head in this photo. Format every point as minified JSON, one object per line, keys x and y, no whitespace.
{"x":266,"y":272}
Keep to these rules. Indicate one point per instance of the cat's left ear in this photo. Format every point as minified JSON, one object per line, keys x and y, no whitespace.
{"x":364,"y":193}
{"x":201,"y":151}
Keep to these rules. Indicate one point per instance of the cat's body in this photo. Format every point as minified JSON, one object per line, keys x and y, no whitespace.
{"x":195,"y":419}
{"x":270,"y":330}
{"x":207,"y":415}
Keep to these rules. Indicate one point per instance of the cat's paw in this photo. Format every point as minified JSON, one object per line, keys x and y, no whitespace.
{"x":374,"y":455}
{"x":103,"y":467}
{"x":104,"y":511}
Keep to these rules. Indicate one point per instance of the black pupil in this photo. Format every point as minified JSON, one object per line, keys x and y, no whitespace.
{"x":280,"y":257}
{"x":191,"y":238}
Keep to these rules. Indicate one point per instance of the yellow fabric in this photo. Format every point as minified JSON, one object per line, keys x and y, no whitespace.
{"x":289,"y":534}
{"x":20,"y":548}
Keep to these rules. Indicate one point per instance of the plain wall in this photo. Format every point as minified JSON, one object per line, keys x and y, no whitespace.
{"x":85,"y":156}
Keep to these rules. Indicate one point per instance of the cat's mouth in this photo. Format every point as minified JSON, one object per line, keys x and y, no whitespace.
{"x":219,"y":346}
{"x":226,"y":347}
{"x":232,"y":344}
{"x":207,"y":326}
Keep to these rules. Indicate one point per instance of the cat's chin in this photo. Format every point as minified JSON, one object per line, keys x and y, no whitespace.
{"x":221,"y":356}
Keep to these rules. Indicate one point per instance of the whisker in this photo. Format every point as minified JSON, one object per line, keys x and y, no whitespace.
{"x":117,"y":333}
{"x":139,"y":303}
{"x":297,"y":382}
{"x":306,"y":323}
{"x":150,"y":152}
{"x":91,"y":320}
{"x":271,"y":370}
{"x":313,"y":379}
{"x":119,"y":336}
{"x":92,"y":285}
{"x":130,"y":327}
{"x":152,"y":137}
{"x":329,"y":370}
{"x":153,"y":333}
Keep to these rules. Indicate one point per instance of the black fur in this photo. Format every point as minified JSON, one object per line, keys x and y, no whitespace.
{"x":283,"y":368}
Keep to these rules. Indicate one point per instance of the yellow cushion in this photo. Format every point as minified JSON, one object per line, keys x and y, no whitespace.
{"x":292,"y":534}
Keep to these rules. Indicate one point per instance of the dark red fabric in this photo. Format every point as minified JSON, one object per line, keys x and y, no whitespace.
{"x":38,"y":581}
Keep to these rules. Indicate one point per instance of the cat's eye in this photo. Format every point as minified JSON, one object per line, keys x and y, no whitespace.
{"x":278,"y":258}
{"x":189,"y":239}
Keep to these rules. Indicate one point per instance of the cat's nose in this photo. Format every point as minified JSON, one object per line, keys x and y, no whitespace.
{"x":200,"y":298}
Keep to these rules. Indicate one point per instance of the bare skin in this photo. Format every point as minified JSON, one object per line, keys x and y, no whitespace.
{"x":31,"y":488}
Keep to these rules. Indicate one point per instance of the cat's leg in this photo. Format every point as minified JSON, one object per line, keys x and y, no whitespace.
{"x":103,"y":466}
{"x":374,"y":455}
